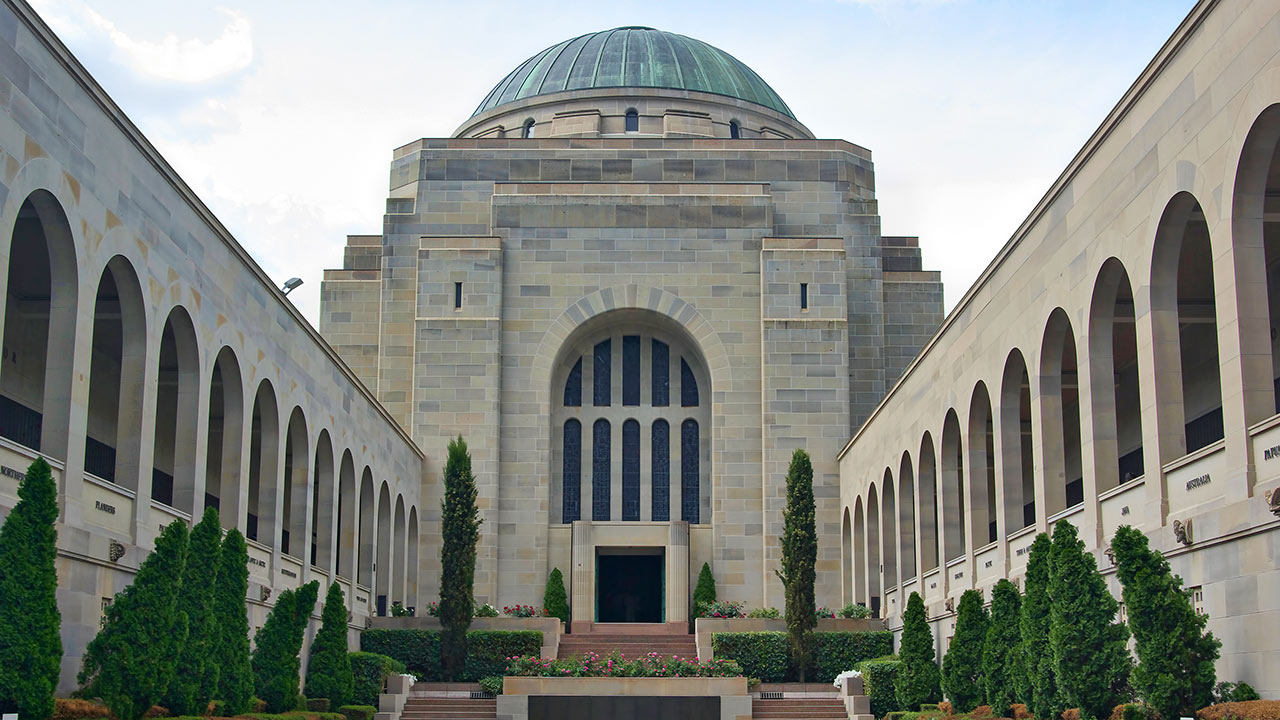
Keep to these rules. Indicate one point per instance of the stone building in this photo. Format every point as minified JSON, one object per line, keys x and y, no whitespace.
{"x":1116,"y":364}
{"x":634,"y":282}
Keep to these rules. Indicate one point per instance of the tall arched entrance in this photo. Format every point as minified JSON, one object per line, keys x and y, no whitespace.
{"x":630,"y":465}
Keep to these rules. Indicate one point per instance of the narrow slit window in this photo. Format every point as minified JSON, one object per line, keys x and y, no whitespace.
{"x":804,"y":296}
{"x":735,"y":131}
{"x":457,"y":296}
{"x":527,"y":131}
{"x":633,"y":121}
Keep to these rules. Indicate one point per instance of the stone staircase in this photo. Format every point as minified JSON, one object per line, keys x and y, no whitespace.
{"x":449,"y":708}
{"x":799,"y":708}
{"x":630,"y":644}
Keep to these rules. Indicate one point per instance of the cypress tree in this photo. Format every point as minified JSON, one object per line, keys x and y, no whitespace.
{"x":1000,"y":649}
{"x":271,"y":662}
{"x":130,"y":662}
{"x":554,"y":598}
{"x":799,"y":555}
{"x":962,"y":667}
{"x":705,"y":592}
{"x":918,"y":680}
{"x":196,"y":676}
{"x":30,"y":643}
{"x":329,"y":670}
{"x":460,"y":529}
{"x":1090,"y":659}
{"x":1175,"y":672}
{"x":231,"y":625}
{"x":1040,"y":690}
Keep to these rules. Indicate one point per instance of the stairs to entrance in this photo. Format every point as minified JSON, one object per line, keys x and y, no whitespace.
{"x":801,"y":708}
{"x":630,"y":644}
{"x":449,"y":708}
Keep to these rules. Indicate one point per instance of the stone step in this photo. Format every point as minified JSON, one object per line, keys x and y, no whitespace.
{"x":449,"y":708}
{"x":798,"y":709}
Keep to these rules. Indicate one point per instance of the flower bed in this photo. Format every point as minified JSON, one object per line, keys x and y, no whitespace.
{"x":524,"y":611}
{"x":652,"y":665}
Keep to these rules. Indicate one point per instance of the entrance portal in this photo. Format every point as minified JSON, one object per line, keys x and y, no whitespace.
{"x":630,"y":585}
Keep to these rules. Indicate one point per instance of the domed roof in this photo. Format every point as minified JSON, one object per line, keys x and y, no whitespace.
{"x":633,"y":57}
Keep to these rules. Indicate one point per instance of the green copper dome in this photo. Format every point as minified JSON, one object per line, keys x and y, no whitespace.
{"x":633,"y":57}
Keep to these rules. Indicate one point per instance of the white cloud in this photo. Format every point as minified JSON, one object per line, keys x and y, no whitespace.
{"x":187,"y":61}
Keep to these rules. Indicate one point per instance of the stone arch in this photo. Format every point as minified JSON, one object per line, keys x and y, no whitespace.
{"x":873,"y":551}
{"x":1017,"y":463}
{"x":382,"y":567}
{"x":907,"y":518}
{"x":173,"y":466}
{"x":323,"y":504}
{"x":113,"y":444}
{"x":860,"y":575}
{"x":983,"y":527}
{"x":41,"y":306}
{"x":1114,"y":378}
{"x":264,"y":467}
{"x":1062,"y":474}
{"x":344,"y":564}
{"x":225,"y":437}
{"x":411,"y":592}
{"x":399,"y":552}
{"x":366,"y":548}
{"x":928,"y":488}
{"x":888,"y":531}
{"x":296,"y":489}
{"x":953,"y":489}
{"x":846,"y":555}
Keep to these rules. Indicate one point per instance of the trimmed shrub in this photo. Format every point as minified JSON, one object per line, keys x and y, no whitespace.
{"x":762,"y":655}
{"x":488,"y":650}
{"x":1001,"y":647}
{"x":491,"y":684}
{"x":1250,"y":710}
{"x":320,"y":705}
{"x":329,"y":669}
{"x":1225,"y":692}
{"x":144,"y":625}
{"x":195,"y":679}
{"x":358,"y":712}
{"x":878,"y":677}
{"x":1090,"y":658}
{"x":485,"y":611}
{"x":1036,"y":681}
{"x":231,"y":623}
{"x":835,"y":652}
{"x":554,"y":598}
{"x":917,"y":682}
{"x":799,"y":557}
{"x":1176,"y":655}
{"x":371,"y":671}
{"x":962,"y":666}
{"x":417,"y":650}
{"x":459,"y":529}
{"x":856,"y":611}
{"x":705,"y":592}
{"x":765,"y":612}
{"x":276,"y":661}
{"x":1134,"y":711}
{"x":65,"y":709}
{"x":722,"y":609}
{"x":30,"y":643}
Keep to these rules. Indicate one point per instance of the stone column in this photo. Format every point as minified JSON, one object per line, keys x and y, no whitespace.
{"x":677,"y":552}
{"x":583,"y":601}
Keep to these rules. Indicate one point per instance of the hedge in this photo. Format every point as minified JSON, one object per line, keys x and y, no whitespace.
{"x":371,"y":671}
{"x":877,"y":680}
{"x":419,"y":650}
{"x":358,"y":712}
{"x":765,"y":655}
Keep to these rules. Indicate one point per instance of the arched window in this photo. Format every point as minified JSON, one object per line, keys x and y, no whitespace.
{"x":571,"y":480}
{"x":734,"y":131}
{"x":631,"y":470}
{"x":573,"y":386}
{"x":527,"y":130}
{"x":688,"y":385}
{"x":661,"y":454}
{"x":690,"y":501}
{"x":600,"y":476}
{"x":633,"y":121}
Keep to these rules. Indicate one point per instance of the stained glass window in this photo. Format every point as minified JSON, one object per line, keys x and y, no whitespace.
{"x":631,"y":470}
{"x":603,"y":376}
{"x":573,"y":386}
{"x":600,"y":479}
{"x":661,"y":457}
{"x":661,"y":374}
{"x":689,"y":472}
{"x":630,"y":369}
{"x":572,"y":467}
{"x":688,"y":386}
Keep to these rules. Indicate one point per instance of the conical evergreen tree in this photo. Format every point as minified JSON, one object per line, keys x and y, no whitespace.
{"x":130,"y":663}
{"x":554,"y":598}
{"x":231,"y":651}
{"x":30,"y":643}
{"x":1037,"y":662}
{"x":329,"y":669}
{"x":1000,"y":649}
{"x":1090,"y":660}
{"x":460,"y":530}
{"x":196,"y":676}
{"x":1175,"y":672}
{"x":799,"y":557}
{"x":962,"y":667}
{"x":917,"y":681}
{"x":705,"y":592}
{"x":271,"y":661}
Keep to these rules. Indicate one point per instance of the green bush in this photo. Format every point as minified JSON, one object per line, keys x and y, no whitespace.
{"x":1036,"y":678}
{"x":418,"y":650}
{"x":918,"y":680}
{"x":835,"y":652}
{"x":459,"y":531}
{"x":358,"y":712}
{"x":1225,"y":692}
{"x":799,"y":560}
{"x":319,"y":705}
{"x":764,"y":655}
{"x":878,"y":676}
{"x":492,"y":684}
{"x":231,"y":625}
{"x":962,"y":667}
{"x":765,"y":612}
{"x":856,"y":611}
{"x":554,"y":598}
{"x":329,"y":671}
{"x":30,"y":643}
{"x":705,"y":592}
{"x":276,"y":661}
{"x":1001,"y":648}
{"x":485,"y":611}
{"x":371,"y":671}
{"x":195,"y":678}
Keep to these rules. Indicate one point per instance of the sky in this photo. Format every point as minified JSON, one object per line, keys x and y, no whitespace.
{"x":282,"y":115}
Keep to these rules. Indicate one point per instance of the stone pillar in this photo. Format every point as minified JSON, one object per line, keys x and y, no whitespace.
{"x":583,"y":581}
{"x":677,"y":552}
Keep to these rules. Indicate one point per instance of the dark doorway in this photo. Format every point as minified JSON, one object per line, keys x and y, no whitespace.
{"x":630,"y":585}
